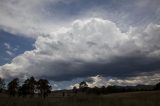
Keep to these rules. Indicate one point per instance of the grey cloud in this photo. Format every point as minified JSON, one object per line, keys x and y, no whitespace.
{"x":39,"y":17}
{"x":90,"y":47}
{"x":26,"y":18}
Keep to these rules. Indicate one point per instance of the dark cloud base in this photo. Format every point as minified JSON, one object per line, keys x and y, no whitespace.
{"x":122,"y":67}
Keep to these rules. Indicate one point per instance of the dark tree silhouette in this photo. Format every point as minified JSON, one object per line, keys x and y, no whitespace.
{"x":43,"y":87}
{"x":28,"y":88}
{"x":83,"y":86}
{"x":31,"y":86}
{"x":157,"y":86}
{"x":75,"y":90}
{"x":13,"y":87}
{"x":96,"y":90}
{"x":103,"y":89}
{"x":23,"y":90}
{"x":2,"y":85}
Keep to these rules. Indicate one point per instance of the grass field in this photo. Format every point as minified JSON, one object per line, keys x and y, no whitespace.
{"x":150,"y":98}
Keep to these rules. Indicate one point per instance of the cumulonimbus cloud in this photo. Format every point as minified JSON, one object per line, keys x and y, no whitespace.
{"x":89,"y":47}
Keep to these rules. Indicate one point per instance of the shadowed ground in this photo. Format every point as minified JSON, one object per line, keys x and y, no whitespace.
{"x":150,"y":98}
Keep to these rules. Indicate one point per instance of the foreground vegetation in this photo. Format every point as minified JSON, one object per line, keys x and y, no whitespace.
{"x":145,"y":98}
{"x":34,"y":92}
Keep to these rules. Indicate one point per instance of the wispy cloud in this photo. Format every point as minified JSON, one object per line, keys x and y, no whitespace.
{"x":9,"y":53}
{"x":7,"y":46}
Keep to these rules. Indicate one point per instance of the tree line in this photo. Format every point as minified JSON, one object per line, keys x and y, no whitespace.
{"x":83,"y":87}
{"x":29,"y":87}
{"x":42,"y":87}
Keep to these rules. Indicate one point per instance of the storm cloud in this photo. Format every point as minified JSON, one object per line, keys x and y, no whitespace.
{"x":109,"y":42}
{"x":90,"y":47}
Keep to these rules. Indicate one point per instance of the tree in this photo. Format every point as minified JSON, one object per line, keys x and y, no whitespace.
{"x":103,"y":89}
{"x":13,"y":87}
{"x":23,"y":90}
{"x":2,"y":85}
{"x":30,"y":85}
{"x":28,"y":88}
{"x":83,"y":86}
{"x":157,"y":86}
{"x":75,"y":90}
{"x":43,"y":87}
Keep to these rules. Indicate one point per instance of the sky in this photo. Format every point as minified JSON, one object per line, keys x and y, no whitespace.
{"x":103,"y":42}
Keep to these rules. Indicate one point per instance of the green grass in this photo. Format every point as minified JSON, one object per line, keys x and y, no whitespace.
{"x":150,"y":98}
